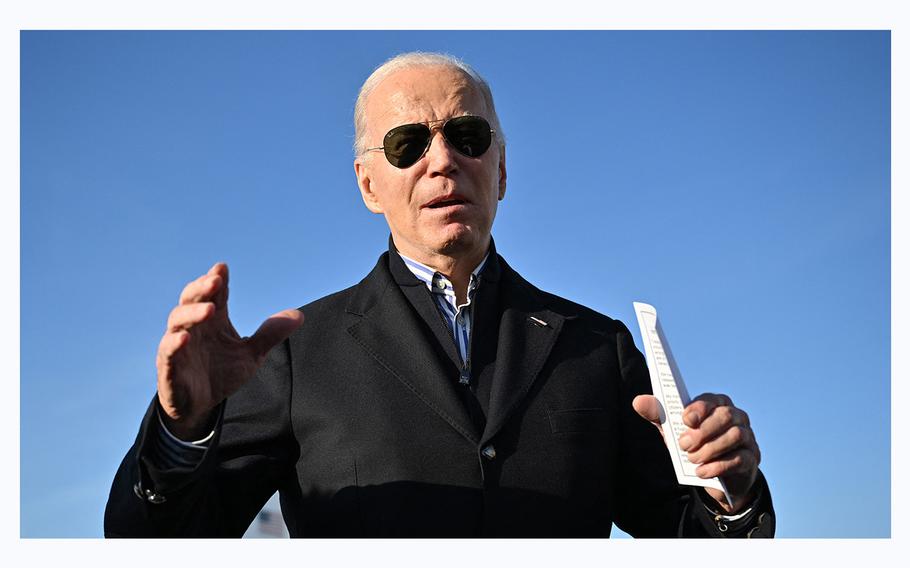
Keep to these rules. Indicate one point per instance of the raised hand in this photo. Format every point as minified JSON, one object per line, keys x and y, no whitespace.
{"x":720,"y":439}
{"x":202,"y":359}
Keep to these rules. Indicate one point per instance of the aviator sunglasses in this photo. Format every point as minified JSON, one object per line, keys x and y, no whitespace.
{"x":404,"y":145}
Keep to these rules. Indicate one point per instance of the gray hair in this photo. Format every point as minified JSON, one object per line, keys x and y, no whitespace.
{"x":407,"y":61}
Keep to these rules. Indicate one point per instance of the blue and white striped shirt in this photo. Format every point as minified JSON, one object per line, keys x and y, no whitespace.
{"x":458,"y":317}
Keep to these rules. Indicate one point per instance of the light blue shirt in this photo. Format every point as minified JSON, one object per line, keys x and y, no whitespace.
{"x":458,"y":317}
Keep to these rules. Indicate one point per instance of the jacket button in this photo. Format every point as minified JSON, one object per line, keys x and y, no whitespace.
{"x":489,"y":452}
{"x":154,"y":498}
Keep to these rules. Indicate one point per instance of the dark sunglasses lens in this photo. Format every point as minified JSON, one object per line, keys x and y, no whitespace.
{"x":404,"y":145}
{"x":470,"y":135}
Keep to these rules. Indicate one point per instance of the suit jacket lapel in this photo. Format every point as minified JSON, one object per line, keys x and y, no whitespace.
{"x":393,"y":334}
{"x":527,"y":333}
{"x":420,"y":300}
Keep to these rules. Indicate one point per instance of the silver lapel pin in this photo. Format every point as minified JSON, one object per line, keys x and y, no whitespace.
{"x":538,"y":322}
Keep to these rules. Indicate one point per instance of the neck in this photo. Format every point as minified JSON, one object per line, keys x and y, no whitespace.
{"x":456,"y":267}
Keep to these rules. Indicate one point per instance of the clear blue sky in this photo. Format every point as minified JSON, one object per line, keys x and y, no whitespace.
{"x":738,"y":181}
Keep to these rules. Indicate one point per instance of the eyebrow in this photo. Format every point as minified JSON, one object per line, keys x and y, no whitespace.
{"x":428,"y":122}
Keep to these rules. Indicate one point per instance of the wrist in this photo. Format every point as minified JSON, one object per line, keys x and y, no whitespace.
{"x":716,"y":501}
{"x":735,"y":490}
{"x":189,"y":429}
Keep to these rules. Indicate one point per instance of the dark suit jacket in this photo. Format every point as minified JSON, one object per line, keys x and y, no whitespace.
{"x":358,"y":420}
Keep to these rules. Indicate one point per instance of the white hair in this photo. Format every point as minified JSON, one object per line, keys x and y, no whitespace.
{"x":418,"y":59}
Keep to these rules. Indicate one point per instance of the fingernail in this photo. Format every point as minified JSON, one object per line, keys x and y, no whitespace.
{"x":685,"y":441}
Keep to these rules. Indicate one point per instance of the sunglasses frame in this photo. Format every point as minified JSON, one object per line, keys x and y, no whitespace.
{"x":428,"y":124}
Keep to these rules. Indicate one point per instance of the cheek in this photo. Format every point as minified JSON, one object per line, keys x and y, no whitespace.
{"x":399,"y":198}
{"x":391,"y":189}
{"x":493,"y":210}
{"x":492,"y":183}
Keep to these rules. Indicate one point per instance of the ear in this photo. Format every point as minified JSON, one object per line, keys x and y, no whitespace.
{"x":364,"y":182}
{"x":502,"y":172}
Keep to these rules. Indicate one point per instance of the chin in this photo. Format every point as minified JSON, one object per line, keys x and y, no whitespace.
{"x":461,"y":240}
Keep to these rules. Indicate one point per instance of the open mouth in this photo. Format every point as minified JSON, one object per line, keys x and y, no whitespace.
{"x":446,"y":203}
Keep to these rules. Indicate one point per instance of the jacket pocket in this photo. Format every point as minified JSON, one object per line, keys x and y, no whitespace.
{"x":579,"y":420}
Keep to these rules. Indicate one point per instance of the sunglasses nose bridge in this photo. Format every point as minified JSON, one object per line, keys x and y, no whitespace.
{"x":442,"y":144}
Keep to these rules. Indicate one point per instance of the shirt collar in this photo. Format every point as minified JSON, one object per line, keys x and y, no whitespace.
{"x":437,"y":282}
{"x":402,"y":275}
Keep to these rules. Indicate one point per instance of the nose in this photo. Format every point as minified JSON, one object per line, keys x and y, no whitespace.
{"x":440,"y":156}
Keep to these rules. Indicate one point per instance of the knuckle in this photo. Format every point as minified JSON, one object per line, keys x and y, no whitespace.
{"x":749,"y":436}
{"x":697,"y":407}
{"x":715,"y":399}
{"x":175,"y":313}
{"x":701,"y":455}
{"x":708,"y":470}
{"x":742,"y":417}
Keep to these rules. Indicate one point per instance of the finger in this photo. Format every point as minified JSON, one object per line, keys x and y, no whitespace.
{"x":721,"y":419}
{"x":701,"y":406}
{"x":220,"y":297}
{"x":734,"y":438}
{"x":168,"y":349}
{"x":274,"y":330}
{"x":201,"y":289}
{"x":186,"y":316}
{"x":736,"y":462}
{"x":170,"y":344}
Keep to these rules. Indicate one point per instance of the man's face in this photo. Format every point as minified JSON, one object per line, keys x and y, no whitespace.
{"x":444,"y":204}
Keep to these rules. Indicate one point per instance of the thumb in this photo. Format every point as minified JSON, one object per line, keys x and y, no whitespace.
{"x":274,"y":330}
{"x":648,"y":408}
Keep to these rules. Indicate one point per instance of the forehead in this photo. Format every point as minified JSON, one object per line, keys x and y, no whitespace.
{"x":420,"y":94}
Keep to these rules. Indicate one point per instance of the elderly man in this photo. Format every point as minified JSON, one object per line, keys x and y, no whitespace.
{"x":443,"y":395}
